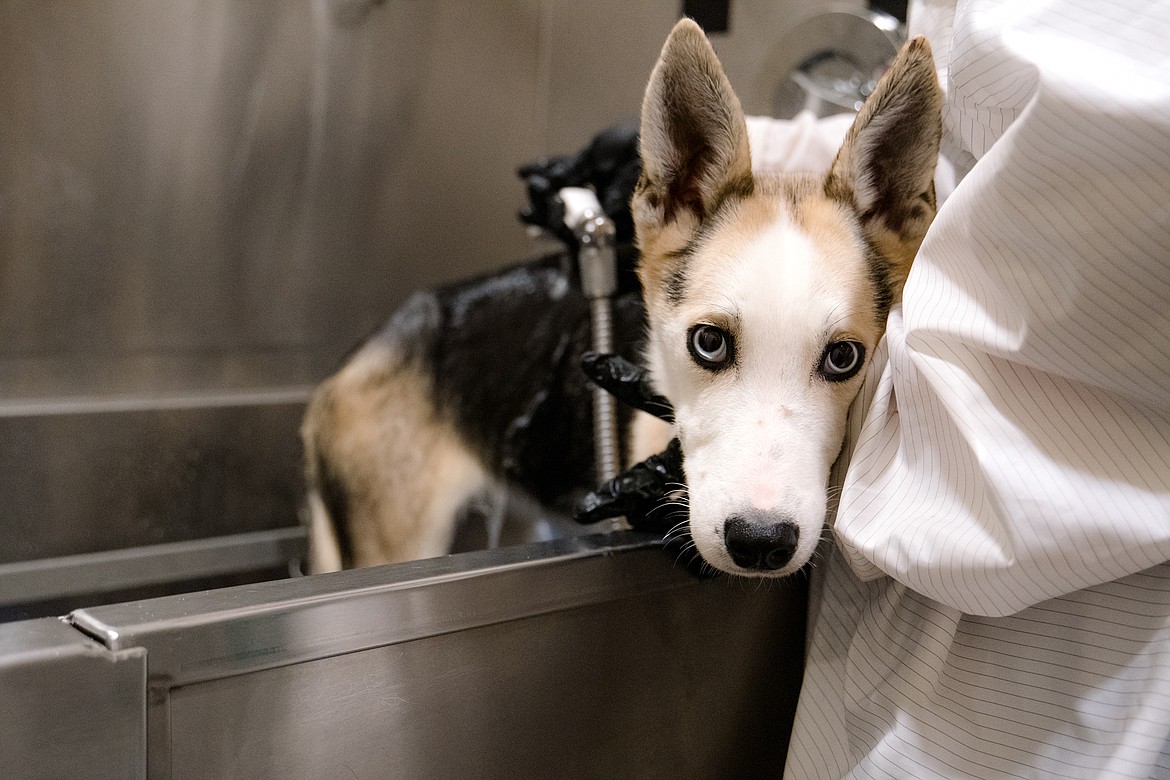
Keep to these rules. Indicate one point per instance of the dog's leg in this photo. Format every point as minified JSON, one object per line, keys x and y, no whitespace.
{"x":387,"y":474}
{"x":418,"y":521}
{"x":324,"y":551}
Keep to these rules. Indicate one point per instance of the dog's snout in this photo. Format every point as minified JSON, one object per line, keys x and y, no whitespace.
{"x":760,"y":540}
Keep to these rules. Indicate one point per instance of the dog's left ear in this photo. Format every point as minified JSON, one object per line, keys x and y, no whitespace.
{"x":885,"y":168}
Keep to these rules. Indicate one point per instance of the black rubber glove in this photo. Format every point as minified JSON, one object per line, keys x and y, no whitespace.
{"x":642,"y":488}
{"x":626,"y":381}
{"x":640,"y":493}
{"x":637,"y":492}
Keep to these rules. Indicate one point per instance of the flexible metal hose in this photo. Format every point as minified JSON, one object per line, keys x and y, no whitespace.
{"x":597,"y":259}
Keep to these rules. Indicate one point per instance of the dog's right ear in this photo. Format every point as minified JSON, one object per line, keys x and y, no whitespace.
{"x":694,"y":141}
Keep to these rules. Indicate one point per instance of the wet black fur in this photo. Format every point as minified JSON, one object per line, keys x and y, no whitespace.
{"x":503,"y":355}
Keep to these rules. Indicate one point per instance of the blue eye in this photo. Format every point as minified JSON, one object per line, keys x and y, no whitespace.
{"x":841,"y":360}
{"x":710,"y":347}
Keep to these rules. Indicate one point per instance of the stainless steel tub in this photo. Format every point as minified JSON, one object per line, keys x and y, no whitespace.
{"x":586,"y":657}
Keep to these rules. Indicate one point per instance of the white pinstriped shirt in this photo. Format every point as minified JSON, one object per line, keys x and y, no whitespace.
{"x":998,"y":601}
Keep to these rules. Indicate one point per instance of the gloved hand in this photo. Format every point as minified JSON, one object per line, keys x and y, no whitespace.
{"x":610,"y":165}
{"x":626,"y":381}
{"x":641,"y":492}
{"x":637,"y":492}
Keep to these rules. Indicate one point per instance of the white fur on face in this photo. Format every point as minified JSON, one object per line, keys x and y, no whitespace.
{"x":718,"y":248}
{"x":762,"y":434}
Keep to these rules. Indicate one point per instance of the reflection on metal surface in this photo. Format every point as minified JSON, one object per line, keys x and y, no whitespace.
{"x":71,"y":708}
{"x":152,"y":403}
{"x":211,"y":195}
{"x":829,"y":62}
{"x":291,"y":621}
{"x":592,"y":656}
{"x":99,"y":481}
{"x":51,"y":578}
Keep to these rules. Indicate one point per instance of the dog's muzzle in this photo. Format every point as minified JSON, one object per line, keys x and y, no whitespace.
{"x":762,"y":541}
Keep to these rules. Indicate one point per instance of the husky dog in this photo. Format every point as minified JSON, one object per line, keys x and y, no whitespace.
{"x":765,"y":296}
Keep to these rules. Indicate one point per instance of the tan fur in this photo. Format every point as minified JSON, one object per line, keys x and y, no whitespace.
{"x":324,"y":549}
{"x":647,"y":435}
{"x":404,"y":471}
{"x":826,"y":222}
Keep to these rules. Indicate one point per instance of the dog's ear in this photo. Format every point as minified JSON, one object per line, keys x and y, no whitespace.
{"x":694,"y":141}
{"x":885,"y":168}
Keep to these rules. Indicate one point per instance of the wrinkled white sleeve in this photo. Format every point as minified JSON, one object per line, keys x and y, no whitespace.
{"x":803,"y":143}
{"x":1017,"y":446}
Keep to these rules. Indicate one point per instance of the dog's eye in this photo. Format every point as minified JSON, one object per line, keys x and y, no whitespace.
{"x":842,"y":359}
{"x":710,"y":347}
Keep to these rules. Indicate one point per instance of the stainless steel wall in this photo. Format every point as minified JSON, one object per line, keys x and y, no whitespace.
{"x":204,"y":203}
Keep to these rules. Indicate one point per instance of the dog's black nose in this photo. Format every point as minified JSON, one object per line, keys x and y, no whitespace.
{"x":760,"y":540}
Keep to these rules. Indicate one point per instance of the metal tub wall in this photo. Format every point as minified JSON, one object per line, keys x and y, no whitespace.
{"x":204,"y":204}
{"x":588,"y":657}
{"x":71,"y":707}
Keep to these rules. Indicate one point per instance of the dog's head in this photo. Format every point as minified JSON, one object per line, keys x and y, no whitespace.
{"x":765,"y":296}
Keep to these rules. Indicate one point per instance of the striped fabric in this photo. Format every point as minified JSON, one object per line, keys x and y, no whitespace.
{"x":998,"y":603}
